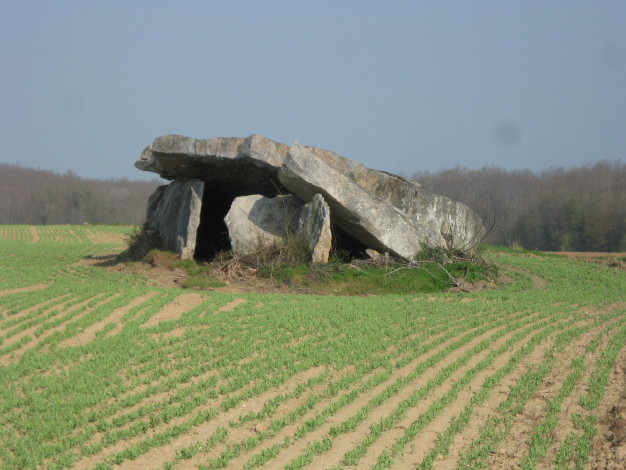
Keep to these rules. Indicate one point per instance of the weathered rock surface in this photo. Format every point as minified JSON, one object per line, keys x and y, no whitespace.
{"x":233,"y":165}
{"x":255,"y":221}
{"x":452,"y":223}
{"x":174,"y":213}
{"x":378,"y":225}
{"x":314,"y":226}
{"x":376,"y":209}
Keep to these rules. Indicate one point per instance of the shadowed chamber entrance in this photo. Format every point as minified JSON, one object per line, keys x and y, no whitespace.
{"x":217,"y":198}
{"x":212,"y":236}
{"x":345,"y":246}
{"x":227,"y":180}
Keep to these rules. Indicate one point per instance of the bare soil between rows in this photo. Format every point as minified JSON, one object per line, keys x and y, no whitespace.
{"x":608,"y":447}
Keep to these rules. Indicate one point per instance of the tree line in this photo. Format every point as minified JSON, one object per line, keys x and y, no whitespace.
{"x":41,"y":197}
{"x":576,"y":209}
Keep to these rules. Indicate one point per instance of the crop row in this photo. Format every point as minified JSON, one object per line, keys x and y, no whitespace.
{"x":101,"y":370}
{"x":66,"y":234}
{"x":179,"y":407}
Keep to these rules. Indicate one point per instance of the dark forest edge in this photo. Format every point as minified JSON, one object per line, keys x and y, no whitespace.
{"x":41,"y":197}
{"x":576,"y":209}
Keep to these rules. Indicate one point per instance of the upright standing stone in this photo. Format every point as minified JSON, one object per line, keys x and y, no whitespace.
{"x":314,"y":226}
{"x":256,"y":222}
{"x":174,"y":213}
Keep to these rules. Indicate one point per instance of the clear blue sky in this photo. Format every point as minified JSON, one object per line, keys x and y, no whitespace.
{"x":398,"y":86}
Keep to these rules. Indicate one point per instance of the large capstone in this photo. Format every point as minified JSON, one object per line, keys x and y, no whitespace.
{"x":364,"y":208}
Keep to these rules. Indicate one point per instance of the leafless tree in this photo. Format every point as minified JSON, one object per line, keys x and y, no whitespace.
{"x":576,"y":209}
{"x":33,"y":196}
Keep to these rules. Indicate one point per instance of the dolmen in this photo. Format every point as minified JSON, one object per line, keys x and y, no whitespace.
{"x":243,"y":194}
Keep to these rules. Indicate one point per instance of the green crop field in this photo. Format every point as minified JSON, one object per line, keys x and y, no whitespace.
{"x":100,"y":369}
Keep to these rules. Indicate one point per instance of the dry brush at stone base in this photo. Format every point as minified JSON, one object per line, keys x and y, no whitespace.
{"x":236,"y":193}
